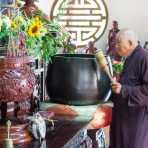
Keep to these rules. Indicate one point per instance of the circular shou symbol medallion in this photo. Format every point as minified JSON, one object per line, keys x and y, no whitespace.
{"x":86,"y":20}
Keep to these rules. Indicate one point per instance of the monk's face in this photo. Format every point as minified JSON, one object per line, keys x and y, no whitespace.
{"x":123,"y":47}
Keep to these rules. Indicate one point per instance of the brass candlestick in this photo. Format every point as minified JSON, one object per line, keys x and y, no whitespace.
{"x":8,"y":143}
{"x":103,"y":64}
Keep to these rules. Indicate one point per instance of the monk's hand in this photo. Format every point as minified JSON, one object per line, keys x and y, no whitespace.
{"x":116,"y":87}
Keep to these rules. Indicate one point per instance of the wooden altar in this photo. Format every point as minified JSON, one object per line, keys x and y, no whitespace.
{"x":70,"y":131}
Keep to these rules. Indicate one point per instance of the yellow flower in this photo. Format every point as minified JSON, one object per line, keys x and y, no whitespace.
{"x":34,"y":30}
{"x":13,"y":24}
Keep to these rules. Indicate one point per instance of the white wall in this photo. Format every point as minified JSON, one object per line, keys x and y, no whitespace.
{"x":129,"y":13}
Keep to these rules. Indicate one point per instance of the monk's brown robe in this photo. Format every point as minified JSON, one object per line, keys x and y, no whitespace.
{"x":129,"y":127}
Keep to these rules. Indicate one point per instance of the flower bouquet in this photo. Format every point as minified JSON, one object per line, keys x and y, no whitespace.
{"x":37,"y":36}
{"x":118,"y":68}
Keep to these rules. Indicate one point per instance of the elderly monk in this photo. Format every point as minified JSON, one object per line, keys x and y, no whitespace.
{"x":129,"y":127}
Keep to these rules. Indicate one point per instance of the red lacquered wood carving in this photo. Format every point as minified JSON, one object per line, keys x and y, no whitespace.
{"x":16,"y":79}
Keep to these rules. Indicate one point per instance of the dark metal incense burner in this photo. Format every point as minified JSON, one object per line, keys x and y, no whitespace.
{"x":76,"y":79}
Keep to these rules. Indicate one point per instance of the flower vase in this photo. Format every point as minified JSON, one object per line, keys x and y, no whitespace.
{"x":16,"y":79}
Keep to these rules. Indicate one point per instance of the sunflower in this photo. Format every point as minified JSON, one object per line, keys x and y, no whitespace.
{"x":13,"y":24}
{"x":34,"y":30}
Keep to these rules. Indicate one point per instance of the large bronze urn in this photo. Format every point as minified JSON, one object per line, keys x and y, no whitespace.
{"x":76,"y":79}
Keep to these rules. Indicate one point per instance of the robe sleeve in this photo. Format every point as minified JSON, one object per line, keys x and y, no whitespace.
{"x":138,"y":95}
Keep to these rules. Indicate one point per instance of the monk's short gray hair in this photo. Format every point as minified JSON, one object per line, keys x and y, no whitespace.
{"x":127,"y":34}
